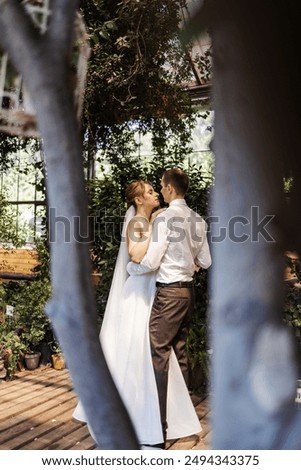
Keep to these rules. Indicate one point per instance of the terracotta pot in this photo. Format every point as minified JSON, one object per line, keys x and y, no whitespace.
{"x":58,"y":361}
{"x":32,"y":360}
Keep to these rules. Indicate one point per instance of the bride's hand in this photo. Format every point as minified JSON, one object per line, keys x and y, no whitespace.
{"x":156,"y":213}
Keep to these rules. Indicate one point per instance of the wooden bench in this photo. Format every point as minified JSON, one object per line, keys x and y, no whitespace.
{"x":17,"y":264}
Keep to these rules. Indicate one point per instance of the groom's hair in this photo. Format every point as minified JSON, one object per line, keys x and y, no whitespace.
{"x":178,"y":179}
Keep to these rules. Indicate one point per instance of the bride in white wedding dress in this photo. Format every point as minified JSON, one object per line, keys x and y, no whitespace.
{"x":124,"y":334}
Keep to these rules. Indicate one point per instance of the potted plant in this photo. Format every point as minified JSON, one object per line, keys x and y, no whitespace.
{"x":33,"y":324}
{"x":58,"y":361}
{"x":11,"y":351}
{"x":32,"y":356}
{"x":57,"y":357}
{"x":32,"y":333}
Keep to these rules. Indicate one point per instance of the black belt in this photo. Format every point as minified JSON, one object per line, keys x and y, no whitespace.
{"x":175,"y":284}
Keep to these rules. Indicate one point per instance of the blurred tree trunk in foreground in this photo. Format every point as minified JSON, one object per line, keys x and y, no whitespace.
{"x":44,"y":61}
{"x":256,"y":100}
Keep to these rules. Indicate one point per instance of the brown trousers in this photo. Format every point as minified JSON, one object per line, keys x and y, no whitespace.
{"x":169,"y":322}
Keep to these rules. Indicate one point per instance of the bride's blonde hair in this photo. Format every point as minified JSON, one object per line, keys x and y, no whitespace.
{"x":135,"y":189}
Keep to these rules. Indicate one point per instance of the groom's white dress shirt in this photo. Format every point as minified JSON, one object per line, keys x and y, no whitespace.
{"x":179,"y":241}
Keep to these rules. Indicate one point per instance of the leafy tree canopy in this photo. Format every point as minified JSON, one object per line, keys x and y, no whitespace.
{"x":137,"y":67}
{"x":10,"y":145}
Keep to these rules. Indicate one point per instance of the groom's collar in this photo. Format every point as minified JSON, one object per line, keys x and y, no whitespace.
{"x":178,"y":202}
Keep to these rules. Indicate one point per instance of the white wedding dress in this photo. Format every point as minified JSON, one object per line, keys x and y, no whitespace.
{"x":125,"y":342}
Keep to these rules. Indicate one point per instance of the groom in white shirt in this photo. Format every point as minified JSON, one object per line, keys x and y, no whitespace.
{"x":178,"y":247}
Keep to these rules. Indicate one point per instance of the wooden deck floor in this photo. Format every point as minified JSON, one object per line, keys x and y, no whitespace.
{"x":36,"y":409}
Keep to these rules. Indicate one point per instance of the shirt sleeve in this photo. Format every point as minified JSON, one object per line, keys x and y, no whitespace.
{"x":203,"y":257}
{"x":135,"y":269}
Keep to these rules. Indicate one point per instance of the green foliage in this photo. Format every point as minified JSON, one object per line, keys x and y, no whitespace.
{"x":9,"y":235}
{"x":42,"y":269}
{"x":292,"y":310}
{"x":288,"y":183}
{"x":292,"y":318}
{"x":197,"y":345}
{"x":204,"y":63}
{"x":10,"y":146}
{"x":29,"y":320}
{"x":137,"y":70}
{"x":136,"y":58}
{"x":292,"y":304}
{"x":11,"y":347}
{"x":198,"y":336}
{"x":107,"y":207}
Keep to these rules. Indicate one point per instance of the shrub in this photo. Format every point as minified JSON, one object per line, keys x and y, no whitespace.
{"x":29,"y":320}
